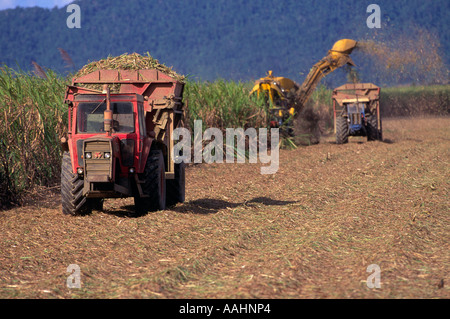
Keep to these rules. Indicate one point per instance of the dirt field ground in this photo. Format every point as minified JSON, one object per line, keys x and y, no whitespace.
{"x":309,"y":231}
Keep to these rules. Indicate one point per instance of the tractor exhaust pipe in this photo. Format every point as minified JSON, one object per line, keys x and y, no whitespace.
{"x":108,"y":114}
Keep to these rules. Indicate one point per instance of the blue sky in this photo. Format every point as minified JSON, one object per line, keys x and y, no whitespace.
{"x":11,"y":4}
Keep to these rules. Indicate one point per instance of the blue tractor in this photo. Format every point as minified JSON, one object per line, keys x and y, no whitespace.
{"x":356,"y":109}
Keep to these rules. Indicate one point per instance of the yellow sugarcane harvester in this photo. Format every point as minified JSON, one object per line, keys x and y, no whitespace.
{"x":285,"y":98}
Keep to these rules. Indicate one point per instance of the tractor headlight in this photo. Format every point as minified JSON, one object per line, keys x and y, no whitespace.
{"x":88,"y":155}
{"x":80,"y":171}
{"x":107,"y":155}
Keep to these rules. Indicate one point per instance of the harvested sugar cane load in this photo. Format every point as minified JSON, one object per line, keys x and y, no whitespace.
{"x":122,"y":114}
{"x":133,"y":61}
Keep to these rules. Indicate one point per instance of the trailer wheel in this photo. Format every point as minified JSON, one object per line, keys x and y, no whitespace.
{"x":72,"y":199}
{"x":154,"y":186}
{"x":341,"y":130}
{"x":175,"y":188}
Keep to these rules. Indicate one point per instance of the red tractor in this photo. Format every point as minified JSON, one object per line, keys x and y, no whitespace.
{"x":120,"y":144}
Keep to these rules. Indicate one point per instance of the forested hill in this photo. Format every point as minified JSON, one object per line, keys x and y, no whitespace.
{"x":231,"y":39}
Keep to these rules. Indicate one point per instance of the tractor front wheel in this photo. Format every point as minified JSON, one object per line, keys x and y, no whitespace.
{"x":72,"y":199}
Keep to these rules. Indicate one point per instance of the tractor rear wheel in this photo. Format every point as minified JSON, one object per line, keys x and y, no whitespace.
{"x":153,"y":186}
{"x":72,"y":199}
{"x":373,"y":132}
{"x":341,"y":130}
{"x":175,"y":188}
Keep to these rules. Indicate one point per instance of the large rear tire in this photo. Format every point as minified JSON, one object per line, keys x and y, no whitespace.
{"x":341,"y":130}
{"x":373,"y":132}
{"x":175,"y":188}
{"x":154,"y":186}
{"x":72,"y":200}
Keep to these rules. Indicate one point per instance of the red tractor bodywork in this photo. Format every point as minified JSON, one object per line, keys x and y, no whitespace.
{"x":144,"y":113}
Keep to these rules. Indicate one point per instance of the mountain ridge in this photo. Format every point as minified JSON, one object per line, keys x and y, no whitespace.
{"x":234,"y":40}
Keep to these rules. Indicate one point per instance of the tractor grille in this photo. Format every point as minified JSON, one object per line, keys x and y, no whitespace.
{"x":356,"y":118}
{"x":98,"y":167}
{"x":355,"y":113}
